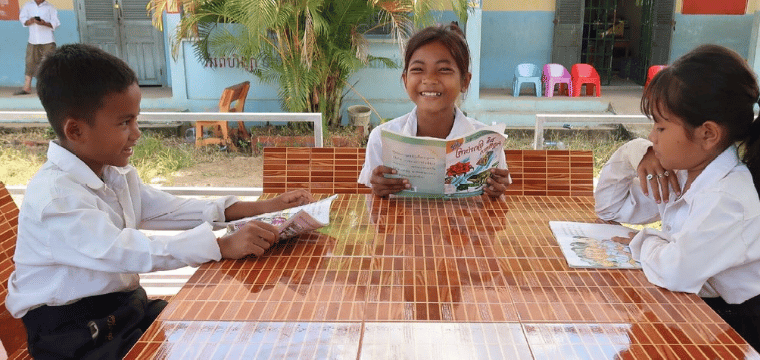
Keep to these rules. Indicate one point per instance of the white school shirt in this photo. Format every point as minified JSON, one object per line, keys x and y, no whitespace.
{"x":40,"y":34}
{"x":78,"y":236}
{"x":710,"y":239}
{"x":407,"y":125}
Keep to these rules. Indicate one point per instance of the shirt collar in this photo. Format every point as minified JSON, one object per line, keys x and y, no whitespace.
{"x":461,"y":125}
{"x":715,"y":170}
{"x":70,"y":163}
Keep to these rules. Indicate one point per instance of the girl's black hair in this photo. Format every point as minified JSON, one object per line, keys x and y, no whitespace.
{"x":450,"y":36}
{"x":711,"y":83}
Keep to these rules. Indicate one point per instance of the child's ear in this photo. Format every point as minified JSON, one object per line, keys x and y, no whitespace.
{"x":711,"y":135}
{"x":72,"y":129}
{"x":466,"y":82}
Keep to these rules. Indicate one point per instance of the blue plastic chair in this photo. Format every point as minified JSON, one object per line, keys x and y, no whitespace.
{"x":526,"y":73}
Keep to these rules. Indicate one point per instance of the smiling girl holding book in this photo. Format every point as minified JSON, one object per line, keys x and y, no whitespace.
{"x":436,"y":71}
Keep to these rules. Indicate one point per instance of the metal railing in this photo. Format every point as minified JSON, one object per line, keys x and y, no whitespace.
{"x":180,"y":190}
{"x":38,"y":117}
{"x":543,"y":119}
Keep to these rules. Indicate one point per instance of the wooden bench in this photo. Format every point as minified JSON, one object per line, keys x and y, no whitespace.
{"x":335,"y":170}
{"x":232,"y":100}
{"x":12,"y":331}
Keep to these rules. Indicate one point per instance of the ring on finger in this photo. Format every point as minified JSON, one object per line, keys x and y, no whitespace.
{"x":660,"y":176}
{"x":666,"y":173}
{"x":650,"y":177}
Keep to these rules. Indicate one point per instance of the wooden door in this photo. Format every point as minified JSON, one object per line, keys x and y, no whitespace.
{"x":123,"y":28}
{"x":568,"y":26}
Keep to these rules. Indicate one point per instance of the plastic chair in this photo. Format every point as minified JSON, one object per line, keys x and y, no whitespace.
{"x":526,"y":73}
{"x":232,"y":100}
{"x":556,"y":74}
{"x":653,"y":70}
{"x":585,"y":74}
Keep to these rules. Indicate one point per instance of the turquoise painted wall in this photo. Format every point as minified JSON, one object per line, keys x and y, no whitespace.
{"x":13,"y":45}
{"x":510,"y":38}
{"x":731,"y":31}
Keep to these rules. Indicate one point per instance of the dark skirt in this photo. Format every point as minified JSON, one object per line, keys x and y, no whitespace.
{"x":744,"y":317}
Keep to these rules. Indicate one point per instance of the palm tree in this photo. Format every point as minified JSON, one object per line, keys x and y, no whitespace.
{"x":308,"y":48}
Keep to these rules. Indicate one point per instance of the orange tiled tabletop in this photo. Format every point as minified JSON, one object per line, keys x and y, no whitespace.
{"x":433,"y":279}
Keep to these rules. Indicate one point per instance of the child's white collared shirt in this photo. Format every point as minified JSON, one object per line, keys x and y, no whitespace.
{"x":710,"y":239}
{"x":78,"y":236}
{"x":407,"y":125}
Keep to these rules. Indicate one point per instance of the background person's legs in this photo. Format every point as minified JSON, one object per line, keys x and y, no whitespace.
{"x":34,"y":56}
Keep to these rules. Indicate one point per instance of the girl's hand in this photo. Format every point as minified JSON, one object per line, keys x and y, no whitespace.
{"x":255,"y":237}
{"x":661,"y":179}
{"x":383,"y":186}
{"x":624,"y":240}
{"x":290,"y":199}
{"x":498,"y":182}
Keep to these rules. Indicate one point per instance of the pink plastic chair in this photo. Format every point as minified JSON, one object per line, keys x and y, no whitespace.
{"x":556,"y":74}
{"x":585,"y":74}
{"x":653,"y":70}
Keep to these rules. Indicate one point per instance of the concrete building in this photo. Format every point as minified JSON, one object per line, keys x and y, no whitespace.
{"x":634,"y":34}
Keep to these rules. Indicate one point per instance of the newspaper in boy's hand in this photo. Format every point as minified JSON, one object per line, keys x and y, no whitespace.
{"x":294,"y":221}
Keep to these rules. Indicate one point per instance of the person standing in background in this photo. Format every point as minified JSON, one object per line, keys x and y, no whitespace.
{"x":42,"y":19}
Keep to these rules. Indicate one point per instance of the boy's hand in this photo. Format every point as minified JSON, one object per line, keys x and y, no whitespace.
{"x":255,"y":237}
{"x":661,"y":180}
{"x":498,"y":182}
{"x":383,"y":186}
{"x":290,"y":199}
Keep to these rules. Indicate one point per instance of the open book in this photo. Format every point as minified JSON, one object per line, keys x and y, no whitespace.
{"x":294,"y":221}
{"x":444,"y":168}
{"x":589,"y":245}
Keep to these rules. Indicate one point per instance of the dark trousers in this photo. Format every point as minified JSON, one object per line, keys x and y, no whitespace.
{"x":744,"y":317}
{"x":66,"y":332}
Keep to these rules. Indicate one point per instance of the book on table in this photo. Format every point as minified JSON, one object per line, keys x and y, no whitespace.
{"x":293,"y":221}
{"x":443,"y":168}
{"x":591,"y":245}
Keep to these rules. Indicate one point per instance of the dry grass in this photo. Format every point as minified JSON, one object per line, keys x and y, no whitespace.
{"x":22,"y":152}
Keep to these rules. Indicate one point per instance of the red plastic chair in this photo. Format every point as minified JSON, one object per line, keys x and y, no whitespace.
{"x":653,"y":70}
{"x":585,"y":74}
{"x":556,"y":74}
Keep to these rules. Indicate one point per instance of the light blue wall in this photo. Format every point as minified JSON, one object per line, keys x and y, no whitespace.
{"x":731,"y":31}
{"x":13,"y":45}
{"x":510,"y":38}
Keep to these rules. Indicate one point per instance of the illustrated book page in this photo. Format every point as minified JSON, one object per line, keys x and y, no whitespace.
{"x":293,"y":221}
{"x":590,"y":245}
{"x":444,"y":168}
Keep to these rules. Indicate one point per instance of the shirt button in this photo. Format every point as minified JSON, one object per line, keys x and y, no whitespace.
{"x":667,"y":227}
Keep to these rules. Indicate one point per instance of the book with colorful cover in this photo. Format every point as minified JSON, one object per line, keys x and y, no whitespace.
{"x":590,"y":245}
{"x":444,"y":168}
{"x":293,"y":221}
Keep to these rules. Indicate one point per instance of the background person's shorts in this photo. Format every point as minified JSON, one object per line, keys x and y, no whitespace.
{"x":34,"y":55}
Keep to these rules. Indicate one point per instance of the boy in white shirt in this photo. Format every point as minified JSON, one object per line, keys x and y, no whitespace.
{"x":79,"y":250}
{"x":42,"y":19}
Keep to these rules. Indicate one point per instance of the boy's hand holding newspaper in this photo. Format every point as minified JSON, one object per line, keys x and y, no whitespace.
{"x":255,"y":237}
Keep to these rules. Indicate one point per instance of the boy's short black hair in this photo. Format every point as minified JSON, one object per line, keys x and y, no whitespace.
{"x":73,"y":80}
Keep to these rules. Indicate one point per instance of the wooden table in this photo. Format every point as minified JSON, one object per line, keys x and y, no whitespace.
{"x":433,"y":279}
